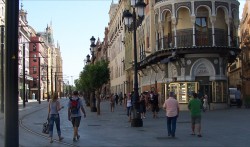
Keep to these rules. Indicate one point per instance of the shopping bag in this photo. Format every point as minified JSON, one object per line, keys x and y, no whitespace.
{"x":46,"y":128}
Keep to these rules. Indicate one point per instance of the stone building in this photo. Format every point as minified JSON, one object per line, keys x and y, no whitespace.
{"x":240,"y":70}
{"x":116,"y":50}
{"x":185,"y":46}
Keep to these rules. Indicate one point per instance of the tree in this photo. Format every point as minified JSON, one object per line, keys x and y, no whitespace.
{"x":93,"y":77}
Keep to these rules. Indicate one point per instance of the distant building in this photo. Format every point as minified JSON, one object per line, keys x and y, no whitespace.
{"x":240,"y":70}
{"x":116,"y":50}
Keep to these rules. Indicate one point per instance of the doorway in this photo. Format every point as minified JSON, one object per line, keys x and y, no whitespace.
{"x":205,"y":86}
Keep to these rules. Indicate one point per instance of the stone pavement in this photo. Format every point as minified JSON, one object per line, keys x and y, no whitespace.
{"x":222,"y":128}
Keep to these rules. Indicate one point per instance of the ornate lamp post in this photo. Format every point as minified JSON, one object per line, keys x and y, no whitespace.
{"x":92,"y":50}
{"x":88,"y":59}
{"x":131,"y":22}
{"x":92,"y":47}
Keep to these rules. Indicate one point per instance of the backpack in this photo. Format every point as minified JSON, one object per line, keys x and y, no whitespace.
{"x":74,"y":106}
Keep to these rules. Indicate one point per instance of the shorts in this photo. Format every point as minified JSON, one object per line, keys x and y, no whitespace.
{"x":195,"y":120}
{"x":76,"y":121}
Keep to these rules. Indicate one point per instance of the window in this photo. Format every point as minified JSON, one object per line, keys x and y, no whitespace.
{"x":201,"y":31}
{"x":34,"y":47}
{"x":34,"y":69}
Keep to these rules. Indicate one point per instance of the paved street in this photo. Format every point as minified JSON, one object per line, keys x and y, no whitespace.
{"x":228,"y":127}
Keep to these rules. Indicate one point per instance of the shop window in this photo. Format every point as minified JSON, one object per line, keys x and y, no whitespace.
{"x":219,"y":91}
{"x":183,"y":90}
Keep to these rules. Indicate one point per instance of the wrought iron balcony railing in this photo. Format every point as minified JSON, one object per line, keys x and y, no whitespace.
{"x":201,"y":39}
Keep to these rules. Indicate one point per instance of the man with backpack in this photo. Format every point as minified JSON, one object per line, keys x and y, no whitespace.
{"x":74,"y":114}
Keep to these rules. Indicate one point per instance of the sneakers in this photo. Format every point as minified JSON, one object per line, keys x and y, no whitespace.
{"x":78,"y":137}
{"x":74,"y":140}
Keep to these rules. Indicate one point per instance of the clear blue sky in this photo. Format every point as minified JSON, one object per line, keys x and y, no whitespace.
{"x":73,"y":22}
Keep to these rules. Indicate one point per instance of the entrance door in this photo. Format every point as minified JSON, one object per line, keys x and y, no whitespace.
{"x":205,"y":86}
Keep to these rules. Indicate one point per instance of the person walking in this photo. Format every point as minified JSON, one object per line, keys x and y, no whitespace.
{"x":238,"y":97}
{"x":74,"y":113}
{"x":128,"y":103}
{"x":142,"y":106}
{"x":53,"y":117}
{"x":171,"y":105}
{"x":205,"y":103}
{"x":120,"y":98}
{"x":125,"y":100}
{"x":154,"y":104}
{"x":195,"y":107}
{"x":112,"y":102}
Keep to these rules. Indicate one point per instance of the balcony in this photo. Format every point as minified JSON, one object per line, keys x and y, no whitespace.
{"x":184,"y":39}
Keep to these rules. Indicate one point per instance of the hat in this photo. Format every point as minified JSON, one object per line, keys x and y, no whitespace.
{"x":75,"y":93}
{"x":171,"y":94}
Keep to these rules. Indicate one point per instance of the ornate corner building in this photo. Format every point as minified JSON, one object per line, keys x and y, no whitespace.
{"x":186,"y":46}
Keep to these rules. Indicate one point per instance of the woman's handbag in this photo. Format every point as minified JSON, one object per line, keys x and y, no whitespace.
{"x":46,"y":127}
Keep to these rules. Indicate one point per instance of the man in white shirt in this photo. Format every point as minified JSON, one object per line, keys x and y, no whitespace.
{"x":172,"y":111}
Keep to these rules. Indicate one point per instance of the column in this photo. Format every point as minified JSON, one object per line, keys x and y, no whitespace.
{"x":212,"y":20}
{"x":193,"y":19}
{"x":175,"y":37}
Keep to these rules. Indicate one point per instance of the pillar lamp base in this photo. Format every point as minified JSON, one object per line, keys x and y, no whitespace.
{"x":136,"y":122}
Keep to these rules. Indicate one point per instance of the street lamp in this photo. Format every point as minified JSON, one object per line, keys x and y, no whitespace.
{"x":92,"y":50}
{"x":88,"y":59}
{"x":92,"y":46}
{"x":131,"y":22}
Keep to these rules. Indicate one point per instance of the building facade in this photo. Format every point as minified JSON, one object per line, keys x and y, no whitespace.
{"x":116,"y":50}
{"x":183,"y":46}
{"x":24,"y":69}
{"x":241,"y":70}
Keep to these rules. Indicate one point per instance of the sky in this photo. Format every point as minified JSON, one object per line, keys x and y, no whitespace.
{"x":74,"y":22}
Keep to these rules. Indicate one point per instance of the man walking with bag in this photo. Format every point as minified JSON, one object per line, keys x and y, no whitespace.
{"x":172,"y":111}
{"x":74,"y":114}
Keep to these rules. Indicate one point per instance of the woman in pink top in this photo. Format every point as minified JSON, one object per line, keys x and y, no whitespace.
{"x":172,"y":111}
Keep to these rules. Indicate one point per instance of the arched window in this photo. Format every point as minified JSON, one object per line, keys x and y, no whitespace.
{"x":201,"y":29}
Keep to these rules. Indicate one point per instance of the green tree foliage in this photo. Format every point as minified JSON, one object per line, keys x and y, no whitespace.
{"x":93,"y":77}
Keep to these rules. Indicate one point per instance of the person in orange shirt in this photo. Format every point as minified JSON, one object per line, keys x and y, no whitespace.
{"x":172,"y":111}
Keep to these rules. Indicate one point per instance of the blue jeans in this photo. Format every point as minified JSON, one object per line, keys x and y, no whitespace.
{"x":129,"y":110}
{"x":54,"y":118}
{"x":171,"y":124}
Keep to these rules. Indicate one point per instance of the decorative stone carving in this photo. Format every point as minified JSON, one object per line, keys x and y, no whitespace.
{"x":217,"y":4}
{"x":233,"y":6}
{"x":207,"y":3}
{"x":186,"y":4}
{"x":168,"y":7}
{"x":189,"y":62}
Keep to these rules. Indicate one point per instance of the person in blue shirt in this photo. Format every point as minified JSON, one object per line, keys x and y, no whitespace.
{"x":238,"y":97}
